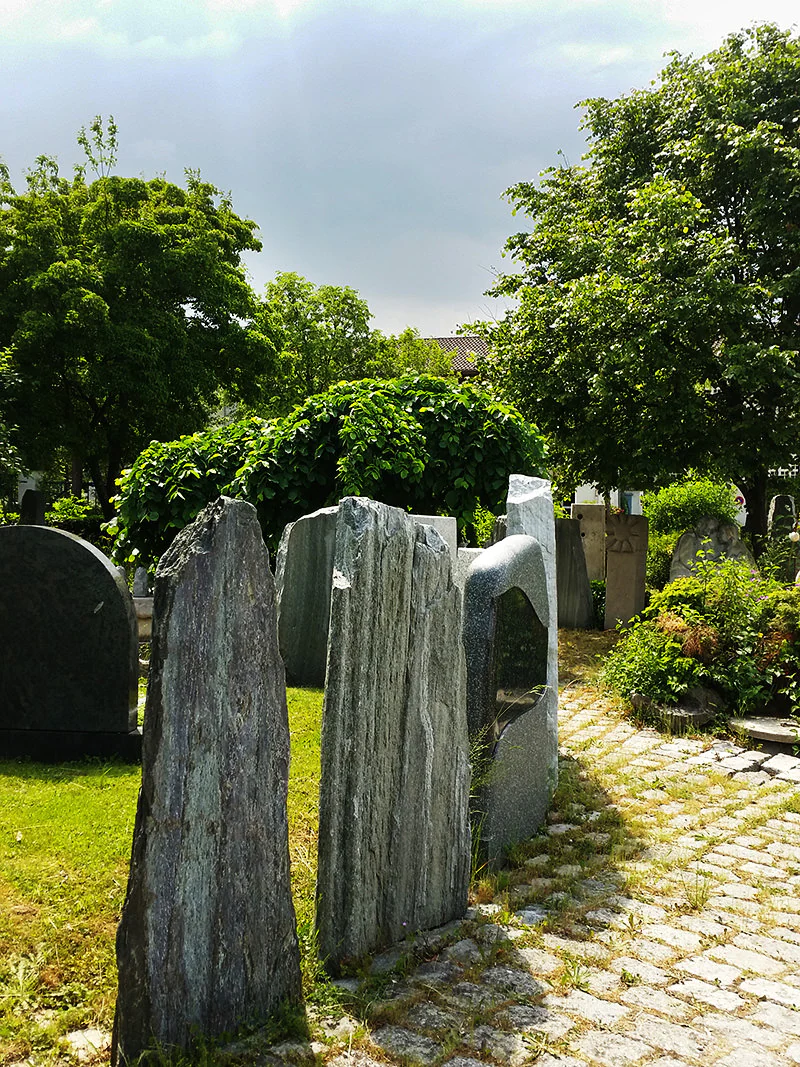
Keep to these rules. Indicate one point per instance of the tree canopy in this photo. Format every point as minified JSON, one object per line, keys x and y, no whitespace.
{"x":417,"y":442}
{"x":658,"y":283}
{"x":322,"y":335}
{"x":123,"y":308}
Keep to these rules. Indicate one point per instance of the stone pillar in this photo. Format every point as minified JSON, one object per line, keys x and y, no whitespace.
{"x":31,"y":508}
{"x":575,"y":605}
{"x":529,"y":508}
{"x":781,"y":515}
{"x":592,"y":518}
{"x":394,"y":843}
{"x":512,"y":693}
{"x":207,"y":937}
{"x":626,"y":537}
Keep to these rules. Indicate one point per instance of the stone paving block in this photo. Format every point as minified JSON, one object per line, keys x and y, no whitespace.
{"x":739,"y":891}
{"x":700,"y":925}
{"x":536,"y":1019}
{"x":667,"y":1061}
{"x":682,"y":939}
{"x":602,"y":1012}
{"x":642,"y":996}
{"x":785,"y":1020}
{"x":707,"y":969}
{"x":774,"y":991}
{"x":501,"y":1045}
{"x":750,"y":1057}
{"x":509,"y":978}
{"x":538,"y":961}
{"x":651,"y":951}
{"x":793,"y":1052}
{"x":547,"y":1060}
{"x":769,"y":946}
{"x":671,"y":1037}
{"x":738,"y":1030}
{"x":611,"y":1050}
{"x":646,"y":971}
{"x":784,"y":851}
{"x":780,"y":763}
{"x":761,"y":870}
{"x":695,"y":989}
{"x":414,"y":1048}
{"x":746,"y":960}
{"x":427,"y":1016}
{"x":751,"y":854}
{"x":792,"y":775}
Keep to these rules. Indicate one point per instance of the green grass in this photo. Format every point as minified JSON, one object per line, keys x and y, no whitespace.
{"x":65,"y":838}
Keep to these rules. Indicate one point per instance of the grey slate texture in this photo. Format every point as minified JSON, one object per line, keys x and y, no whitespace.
{"x":69,"y":668}
{"x":575,"y":606}
{"x":512,"y":698}
{"x":207,"y":937}
{"x":394,"y":843}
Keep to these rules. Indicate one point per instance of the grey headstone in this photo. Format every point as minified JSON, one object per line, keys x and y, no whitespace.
{"x":499,"y":529}
{"x":303,"y":570}
{"x":529,"y":507}
{"x":575,"y":604}
{"x":394,"y":843}
{"x":713,"y":538}
{"x":69,"y":665}
{"x":31,"y":508}
{"x":207,"y":937}
{"x":626,"y":564}
{"x":512,"y":692}
{"x":141,"y":583}
{"x":592,"y":518}
{"x":781,"y":515}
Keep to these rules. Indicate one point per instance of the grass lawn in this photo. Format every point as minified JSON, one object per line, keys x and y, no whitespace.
{"x":65,"y":839}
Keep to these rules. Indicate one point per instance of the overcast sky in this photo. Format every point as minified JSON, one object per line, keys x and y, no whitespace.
{"x":371,"y":141}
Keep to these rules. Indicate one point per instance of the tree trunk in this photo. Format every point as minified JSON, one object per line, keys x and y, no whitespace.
{"x":76,"y":475}
{"x":755,"y":498}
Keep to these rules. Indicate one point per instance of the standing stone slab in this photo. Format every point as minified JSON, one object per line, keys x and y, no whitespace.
{"x":575,"y":605}
{"x":592,"y":518}
{"x":394,"y":843}
{"x":530,"y":512}
{"x":207,"y":938}
{"x":626,"y":559}
{"x":303,"y":570}
{"x":31,"y":508}
{"x":781,"y":515}
{"x":69,"y":668}
{"x":512,"y":696}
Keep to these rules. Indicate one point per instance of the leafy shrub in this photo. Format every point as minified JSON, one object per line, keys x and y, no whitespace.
{"x":725,"y":627}
{"x":78,"y":516}
{"x":660,"y":547}
{"x":680,"y":506}
{"x":416,"y":442}
{"x":598,"y":586}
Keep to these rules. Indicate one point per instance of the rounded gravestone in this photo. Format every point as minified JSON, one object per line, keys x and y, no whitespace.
{"x":69,"y":669}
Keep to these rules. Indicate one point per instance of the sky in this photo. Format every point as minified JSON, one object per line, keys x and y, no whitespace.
{"x":371,"y":140}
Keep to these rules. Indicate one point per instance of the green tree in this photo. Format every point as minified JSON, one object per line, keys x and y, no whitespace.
{"x":124,"y":308}
{"x":658,"y":286}
{"x":323,"y":336}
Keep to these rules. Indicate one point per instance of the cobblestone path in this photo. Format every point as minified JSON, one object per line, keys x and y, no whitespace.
{"x":656,"y":922}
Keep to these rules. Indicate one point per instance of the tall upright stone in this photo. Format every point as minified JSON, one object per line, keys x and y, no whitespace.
{"x":575,"y":605}
{"x":207,"y":938}
{"x":512,"y":693}
{"x":394,"y":843}
{"x":529,"y":508}
{"x":626,"y":559}
{"x":782,"y":515}
{"x":31,"y":508}
{"x":69,"y":668}
{"x":592,"y":518}
{"x":303,"y":570}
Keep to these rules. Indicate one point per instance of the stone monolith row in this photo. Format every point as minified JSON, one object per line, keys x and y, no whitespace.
{"x":394,"y":842}
{"x":207,"y":937}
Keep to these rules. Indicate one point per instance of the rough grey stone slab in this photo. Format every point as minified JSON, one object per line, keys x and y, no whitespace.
{"x":446,"y":526}
{"x":303,"y":570}
{"x":69,"y":665}
{"x":207,"y":937}
{"x":32,"y":507}
{"x":465,"y":557}
{"x":575,"y":605}
{"x":512,"y":691}
{"x":394,"y":843}
{"x":769,"y":728}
